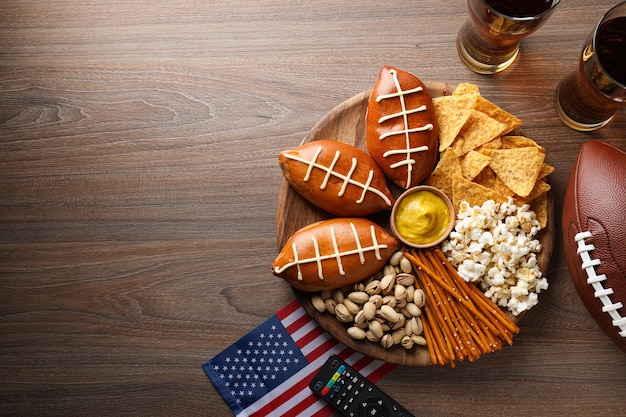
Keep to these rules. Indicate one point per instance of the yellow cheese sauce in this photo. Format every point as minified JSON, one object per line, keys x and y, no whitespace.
{"x":422,"y":217}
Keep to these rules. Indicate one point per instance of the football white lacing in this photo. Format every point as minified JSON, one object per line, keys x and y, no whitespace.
{"x":337,"y":254}
{"x":603,"y":294}
{"x":347,"y":179}
{"x":404,"y":113}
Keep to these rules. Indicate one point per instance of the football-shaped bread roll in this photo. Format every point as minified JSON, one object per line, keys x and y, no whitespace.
{"x":334,"y":253}
{"x":402,"y":134}
{"x":337,"y":177}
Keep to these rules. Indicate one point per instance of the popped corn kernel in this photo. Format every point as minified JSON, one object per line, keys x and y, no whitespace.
{"x":495,"y":247}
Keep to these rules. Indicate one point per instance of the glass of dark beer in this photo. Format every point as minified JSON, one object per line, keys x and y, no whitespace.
{"x":489,"y":40}
{"x":587,"y":99}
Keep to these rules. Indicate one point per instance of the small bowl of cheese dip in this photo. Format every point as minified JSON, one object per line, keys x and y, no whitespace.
{"x":423,"y":216}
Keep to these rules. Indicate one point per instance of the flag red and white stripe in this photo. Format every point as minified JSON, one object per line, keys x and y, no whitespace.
{"x":292,"y":397}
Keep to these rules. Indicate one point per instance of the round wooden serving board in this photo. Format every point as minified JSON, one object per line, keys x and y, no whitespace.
{"x":346,"y":123}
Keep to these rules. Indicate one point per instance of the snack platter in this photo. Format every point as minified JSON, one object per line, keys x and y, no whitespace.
{"x":346,"y":122}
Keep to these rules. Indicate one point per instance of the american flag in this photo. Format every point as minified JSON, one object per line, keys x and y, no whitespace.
{"x":267,"y":372}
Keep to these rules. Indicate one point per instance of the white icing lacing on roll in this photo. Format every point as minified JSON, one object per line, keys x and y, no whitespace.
{"x":337,"y":254}
{"x":404,"y":113}
{"x":595,"y":280}
{"x":347,"y":179}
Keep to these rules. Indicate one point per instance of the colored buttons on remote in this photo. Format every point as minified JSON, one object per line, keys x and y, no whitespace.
{"x":352,"y":394}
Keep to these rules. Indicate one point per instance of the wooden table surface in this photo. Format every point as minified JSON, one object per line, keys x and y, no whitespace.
{"x":138,"y":185}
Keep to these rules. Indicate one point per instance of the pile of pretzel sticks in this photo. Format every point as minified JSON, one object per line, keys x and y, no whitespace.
{"x":460,"y":322}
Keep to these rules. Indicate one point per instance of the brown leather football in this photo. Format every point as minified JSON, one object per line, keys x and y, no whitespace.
{"x":594,"y":233}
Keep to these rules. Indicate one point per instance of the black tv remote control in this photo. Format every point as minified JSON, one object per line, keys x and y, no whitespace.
{"x":351,"y":393}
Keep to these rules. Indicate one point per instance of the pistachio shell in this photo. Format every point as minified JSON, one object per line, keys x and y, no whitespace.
{"x":388,"y":313}
{"x":359,"y":297}
{"x":396,"y":258}
{"x":356,"y":333}
{"x":386,"y":341}
{"x":405,"y":265}
{"x":369,"y":310}
{"x":342,"y":313}
{"x":377,"y":329}
{"x":318,"y":303}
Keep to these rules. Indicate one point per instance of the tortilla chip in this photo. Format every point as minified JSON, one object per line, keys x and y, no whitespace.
{"x":495,"y":143}
{"x":447,"y":168}
{"x":518,"y":168}
{"x":472,"y":163}
{"x":478,"y":130}
{"x":485,"y":106}
{"x":466,"y":88}
{"x":486,"y":178}
{"x":510,"y":142}
{"x":452,"y":112}
{"x":501,"y":188}
{"x":541,"y":187}
{"x":545,"y":170}
{"x":477,"y":163}
{"x":540,"y":206}
{"x":474,"y":194}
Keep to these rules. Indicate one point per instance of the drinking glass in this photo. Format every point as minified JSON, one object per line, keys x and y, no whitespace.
{"x":587,"y":99}
{"x":489,"y":40}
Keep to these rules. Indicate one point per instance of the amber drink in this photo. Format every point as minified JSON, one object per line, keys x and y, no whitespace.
{"x":588,"y":99}
{"x":489,"y":40}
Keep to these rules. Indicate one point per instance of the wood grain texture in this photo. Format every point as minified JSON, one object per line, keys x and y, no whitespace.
{"x":139,"y":183}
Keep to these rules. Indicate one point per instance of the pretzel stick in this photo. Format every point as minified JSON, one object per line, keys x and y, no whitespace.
{"x":467,"y":340}
{"x":501,"y":322}
{"x":460,"y":321}
{"x":433,"y":350}
{"x":442,"y":323}
{"x":434,"y":340}
{"x":489,"y":341}
{"x":467,"y":302}
{"x":450,"y":319}
{"x":478,"y":296}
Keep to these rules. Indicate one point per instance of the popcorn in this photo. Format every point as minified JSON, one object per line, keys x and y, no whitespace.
{"x":494,"y":246}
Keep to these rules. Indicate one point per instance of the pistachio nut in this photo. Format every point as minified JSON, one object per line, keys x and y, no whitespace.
{"x":389,"y":313}
{"x":386,"y":341}
{"x":342,"y":313}
{"x":407,"y":342}
{"x":410,"y":293}
{"x":419,"y":339}
{"x":356,"y":333}
{"x":399,"y":292}
{"x":386,"y":283}
{"x":318,"y":303}
{"x":377,"y":300}
{"x":326,"y":294}
{"x":330,"y":305}
{"x":373,"y":287}
{"x":419,"y":298}
{"x":389,"y":270}
{"x":405,"y":265}
{"x":359,"y":317}
{"x":395,"y":258}
{"x":369,"y":310}
{"x":400,"y":323}
{"x":397,"y":336}
{"x":413,"y":310}
{"x":338,"y":296}
{"x":405,"y":279}
{"x":389,"y":300}
{"x":359,"y":297}
{"x":376,"y":328}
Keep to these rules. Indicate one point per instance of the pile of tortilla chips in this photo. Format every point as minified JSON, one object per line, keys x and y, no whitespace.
{"x":481,"y":159}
